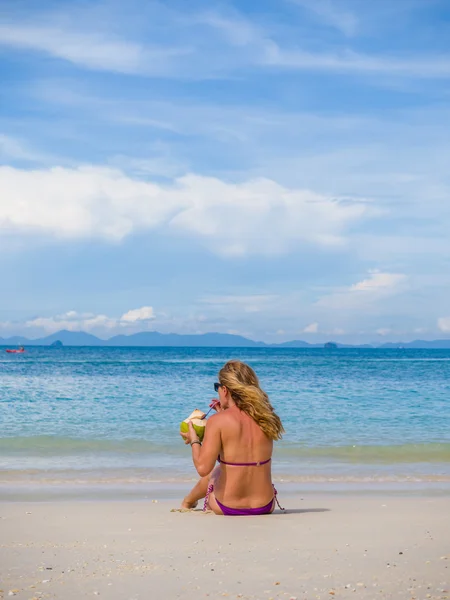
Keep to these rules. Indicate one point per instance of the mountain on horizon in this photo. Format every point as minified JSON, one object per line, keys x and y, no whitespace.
{"x":15,"y":340}
{"x":145,"y":338}
{"x":204,"y":340}
{"x":154,"y":338}
{"x":68,"y":338}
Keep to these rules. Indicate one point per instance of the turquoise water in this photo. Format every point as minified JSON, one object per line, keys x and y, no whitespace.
{"x":102,"y":414}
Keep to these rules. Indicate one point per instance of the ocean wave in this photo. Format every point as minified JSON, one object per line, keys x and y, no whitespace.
{"x":48,"y":446}
{"x":401,"y":453}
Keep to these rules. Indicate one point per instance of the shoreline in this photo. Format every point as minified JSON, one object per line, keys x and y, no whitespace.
{"x":164,"y":491}
{"x":431,"y":473}
{"x":323,"y":547}
{"x":141,"y":483}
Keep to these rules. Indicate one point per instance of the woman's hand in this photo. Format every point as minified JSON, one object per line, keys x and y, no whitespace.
{"x":215,"y":404}
{"x":191,"y":435}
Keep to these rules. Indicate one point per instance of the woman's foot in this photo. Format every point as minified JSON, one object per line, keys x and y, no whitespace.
{"x":186,"y":504}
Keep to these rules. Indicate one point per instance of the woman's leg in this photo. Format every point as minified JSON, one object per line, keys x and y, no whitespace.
{"x":197,"y":493}
{"x":212,"y":503}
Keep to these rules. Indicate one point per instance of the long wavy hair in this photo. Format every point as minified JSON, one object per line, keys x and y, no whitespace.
{"x":244,"y":388}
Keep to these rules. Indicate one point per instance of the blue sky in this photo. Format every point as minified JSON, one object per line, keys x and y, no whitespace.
{"x":277,"y":169}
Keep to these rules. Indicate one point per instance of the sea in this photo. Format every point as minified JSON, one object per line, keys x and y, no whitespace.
{"x":107,"y":419}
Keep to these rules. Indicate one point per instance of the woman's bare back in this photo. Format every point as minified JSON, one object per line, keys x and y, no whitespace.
{"x":243,"y":442}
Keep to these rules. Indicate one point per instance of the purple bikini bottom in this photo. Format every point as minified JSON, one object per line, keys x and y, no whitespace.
{"x":236,"y":512}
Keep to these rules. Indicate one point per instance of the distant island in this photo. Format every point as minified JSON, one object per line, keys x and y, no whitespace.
{"x":330,"y":345}
{"x":205,"y":340}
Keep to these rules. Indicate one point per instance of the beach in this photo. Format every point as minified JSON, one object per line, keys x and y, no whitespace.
{"x":92,"y":465}
{"x":324,"y":546}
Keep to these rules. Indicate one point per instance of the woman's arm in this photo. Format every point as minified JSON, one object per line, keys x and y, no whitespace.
{"x":205,"y":455}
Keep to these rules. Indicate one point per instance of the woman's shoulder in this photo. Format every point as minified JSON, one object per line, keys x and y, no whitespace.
{"x":220,"y":419}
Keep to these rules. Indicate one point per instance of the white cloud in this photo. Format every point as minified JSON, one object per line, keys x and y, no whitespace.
{"x":72,"y":321}
{"x":201,"y":54}
{"x":444,"y":324}
{"x":138,"y":314}
{"x":312,"y":328}
{"x":348,"y":61}
{"x":384,"y":331}
{"x":258,"y":216}
{"x":89,"y":322}
{"x":378,"y":281}
{"x":75,"y":203}
{"x":159,"y":165}
{"x":12,"y":148}
{"x":368,"y":292}
{"x":261,"y":216}
{"x":94,"y":50}
{"x":267,"y":50}
{"x":328,"y":12}
{"x":236,"y":29}
{"x":363,"y":156}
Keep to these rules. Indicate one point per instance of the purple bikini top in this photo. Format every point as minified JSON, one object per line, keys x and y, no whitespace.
{"x":253,"y":464}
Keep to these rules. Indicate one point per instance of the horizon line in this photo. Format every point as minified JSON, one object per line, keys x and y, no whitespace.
{"x":332,"y":343}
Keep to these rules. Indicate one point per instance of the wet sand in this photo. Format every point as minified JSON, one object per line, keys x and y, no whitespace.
{"x":325,"y":546}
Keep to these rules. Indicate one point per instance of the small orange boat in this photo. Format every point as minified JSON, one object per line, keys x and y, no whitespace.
{"x":20,"y":350}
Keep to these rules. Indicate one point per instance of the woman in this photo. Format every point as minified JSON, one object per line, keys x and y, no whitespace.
{"x":240,"y":436}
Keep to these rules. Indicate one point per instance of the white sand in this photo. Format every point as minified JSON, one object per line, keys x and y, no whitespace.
{"x":343,"y":547}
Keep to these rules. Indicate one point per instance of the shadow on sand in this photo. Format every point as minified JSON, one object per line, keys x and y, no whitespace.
{"x":277,"y":511}
{"x":299,"y":511}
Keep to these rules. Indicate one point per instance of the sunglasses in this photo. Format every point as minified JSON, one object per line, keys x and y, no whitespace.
{"x":217,"y":386}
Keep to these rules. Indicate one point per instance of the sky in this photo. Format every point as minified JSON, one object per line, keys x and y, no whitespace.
{"x":277,"y":169}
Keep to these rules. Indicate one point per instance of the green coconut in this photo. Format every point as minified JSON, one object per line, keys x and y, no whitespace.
{"x":197,"y":420}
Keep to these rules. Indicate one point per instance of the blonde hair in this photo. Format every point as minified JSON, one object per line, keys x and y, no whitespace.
{"x":244,"y":388}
